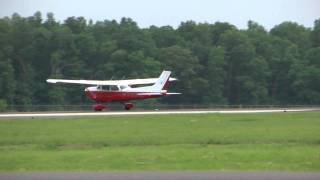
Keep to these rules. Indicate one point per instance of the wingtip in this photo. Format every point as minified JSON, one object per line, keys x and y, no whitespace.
{"x":51,"y":81}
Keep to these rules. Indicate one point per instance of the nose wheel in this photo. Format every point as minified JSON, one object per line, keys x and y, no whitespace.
{"x":128,"y":106}
{"x":99,"y":107}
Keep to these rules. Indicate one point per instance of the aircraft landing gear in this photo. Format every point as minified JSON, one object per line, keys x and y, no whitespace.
{"x":99,"y":107}
{"x":128,"y":106}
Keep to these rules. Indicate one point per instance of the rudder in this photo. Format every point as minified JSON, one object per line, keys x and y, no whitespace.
{"x":163,"y":81}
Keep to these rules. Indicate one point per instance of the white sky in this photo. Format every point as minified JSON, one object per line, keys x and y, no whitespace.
{"x":171,"y":12}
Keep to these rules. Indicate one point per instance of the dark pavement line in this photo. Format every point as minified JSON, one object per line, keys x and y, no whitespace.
{"x":161,"y":176}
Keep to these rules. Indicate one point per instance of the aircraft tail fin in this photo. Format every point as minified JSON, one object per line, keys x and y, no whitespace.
{"x":163,"y":81}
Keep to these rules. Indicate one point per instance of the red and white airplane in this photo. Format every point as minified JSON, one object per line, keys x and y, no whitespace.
{"x":121,"y":90}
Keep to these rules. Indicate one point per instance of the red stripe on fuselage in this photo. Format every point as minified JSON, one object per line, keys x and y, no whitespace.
{"x":116,"y":96}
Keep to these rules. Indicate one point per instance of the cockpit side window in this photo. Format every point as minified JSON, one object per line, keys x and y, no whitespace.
{"x":114,"y":88}
{"x":108,"y":88}
{"x":105,"y":88}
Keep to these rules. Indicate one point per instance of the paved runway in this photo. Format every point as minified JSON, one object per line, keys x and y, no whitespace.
{"x":66,"y":114}
{"x":161,"y":176}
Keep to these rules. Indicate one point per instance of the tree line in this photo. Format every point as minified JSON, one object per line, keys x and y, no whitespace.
{"x":215,"y":63}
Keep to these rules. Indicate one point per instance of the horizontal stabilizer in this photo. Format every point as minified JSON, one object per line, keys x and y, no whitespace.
{"x":173,"y":93}
{"x":156,"y":93}
{"x":150,"y":94}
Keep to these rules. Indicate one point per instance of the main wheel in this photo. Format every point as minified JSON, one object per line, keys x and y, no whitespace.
{"x":128,"y":106}
{"x":99,"y":107}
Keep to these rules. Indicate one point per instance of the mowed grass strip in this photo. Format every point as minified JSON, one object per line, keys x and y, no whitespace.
{"x":208,"y":142}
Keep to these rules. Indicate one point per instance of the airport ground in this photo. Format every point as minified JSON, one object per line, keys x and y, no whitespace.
{"x":268,"y":142}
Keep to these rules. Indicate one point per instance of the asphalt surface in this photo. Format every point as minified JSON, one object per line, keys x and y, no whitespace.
{"x":72,"y":114}
{"x":161,"y":176}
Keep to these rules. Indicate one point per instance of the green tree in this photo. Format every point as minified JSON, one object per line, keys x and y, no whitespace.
{"x":315,"y":34}
{"x":215,"y":63}
{"x":217,"y":29}
{"x":7,"y":81}
{"x":284,"y":56}
{"x":185,"y":66}
{"x":295,"y":33}
{"x":76,"y":24}
{"x":165,"y":36}
{"x":306,"y":78}
{"x":50,"y":22}
{"x":242,"y":86}
{"x":216,"y":76}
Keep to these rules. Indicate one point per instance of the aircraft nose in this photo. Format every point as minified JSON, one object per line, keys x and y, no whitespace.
{"x":90,"y":94}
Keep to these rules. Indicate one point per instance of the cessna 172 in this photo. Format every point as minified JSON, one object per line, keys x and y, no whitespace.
{"x":121,"y":90}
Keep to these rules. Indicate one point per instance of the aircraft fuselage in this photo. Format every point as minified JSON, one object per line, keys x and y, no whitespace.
{"x":118,"y":96}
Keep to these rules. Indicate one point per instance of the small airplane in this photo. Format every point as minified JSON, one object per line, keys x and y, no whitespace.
{"x":122,"y":90}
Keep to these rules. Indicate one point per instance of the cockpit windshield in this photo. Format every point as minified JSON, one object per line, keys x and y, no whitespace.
{"x":123,"y":87}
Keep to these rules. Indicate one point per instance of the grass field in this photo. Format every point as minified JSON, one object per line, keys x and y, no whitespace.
{"x":208,"y":142}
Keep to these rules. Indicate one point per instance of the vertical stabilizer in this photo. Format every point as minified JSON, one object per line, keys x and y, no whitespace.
{"x":162,"y":82}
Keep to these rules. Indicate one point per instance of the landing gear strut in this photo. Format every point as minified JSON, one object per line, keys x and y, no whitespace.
{"x":128,"y":106}
{"x":99,"y":107}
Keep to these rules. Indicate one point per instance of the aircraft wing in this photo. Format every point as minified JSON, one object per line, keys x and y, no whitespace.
{"x":86,"y":82}
{"x":141,"y":81}
{"x":108,"y":82}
